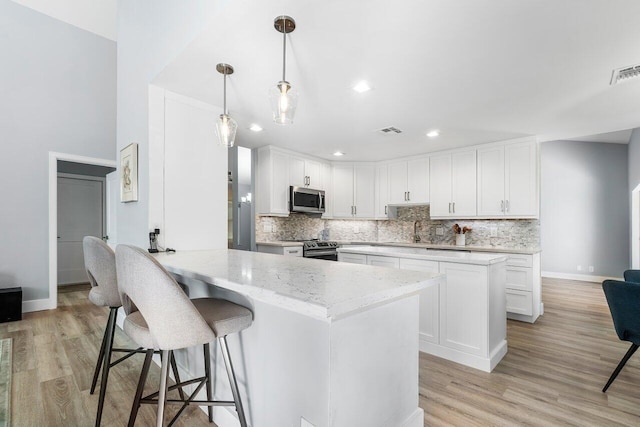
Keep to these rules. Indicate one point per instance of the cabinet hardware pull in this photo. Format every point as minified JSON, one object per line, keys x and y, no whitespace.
{"x":507,"y":206}
{"x":449,"y":207}
{"x":501,"y":205}
{"x":355,"y":210}
{"x":408,"y":196}
{"x":454,"y":207}
{"x":385,"y":209}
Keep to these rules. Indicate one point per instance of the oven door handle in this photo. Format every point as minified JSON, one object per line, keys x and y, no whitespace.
{"x":311,"y":254}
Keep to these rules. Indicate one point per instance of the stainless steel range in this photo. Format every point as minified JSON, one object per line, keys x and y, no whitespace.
{"x":320,"y":249}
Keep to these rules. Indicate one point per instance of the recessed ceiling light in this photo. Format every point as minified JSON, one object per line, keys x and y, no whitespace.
{"x":256,"y":128}
{"x":362,"y":86}
{"x":338,"y":153}
{"x":433,"y":133}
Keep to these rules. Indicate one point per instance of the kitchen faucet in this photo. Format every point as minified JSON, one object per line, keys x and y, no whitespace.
{"x":416,"y":236}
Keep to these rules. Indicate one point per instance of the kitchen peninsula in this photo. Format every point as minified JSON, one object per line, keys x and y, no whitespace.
{"x":463,"y":319}
{"x":329,"y":342}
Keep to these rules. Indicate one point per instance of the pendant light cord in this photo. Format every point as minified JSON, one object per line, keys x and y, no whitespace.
{"x":224,"y":107}
{"x":284,"y":48}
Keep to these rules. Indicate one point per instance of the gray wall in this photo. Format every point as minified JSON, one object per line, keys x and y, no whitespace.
{"x":584,"y":208}
{"x":634,"y":160}
{"x":58,"y":91}
{"x":151,"y":33}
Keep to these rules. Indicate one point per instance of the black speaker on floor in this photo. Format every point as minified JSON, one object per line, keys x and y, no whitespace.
{"x":10,"y":304}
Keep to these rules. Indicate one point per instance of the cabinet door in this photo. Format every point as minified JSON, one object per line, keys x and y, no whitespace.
{"x":491,"y":181}
{"x":352,"y":258}
{"x":440,"y":183}
{"x":463,"y":308}
{"x":521,"y":179}
{"x":297,"y":176}
{"x":382,"y":191}
{"x":383,"y":261}
{"x":463,"y":183}
{"x":312,"y":172}
{"x":364,"y":197}
{"x":418,"y":180}
{"x":342,"y":186}
{"x":292,"y":251}
{"x":429,"y":299}
{"x":280,"y":183}
{"x":397,"y":183}
{"x":326,"y":185}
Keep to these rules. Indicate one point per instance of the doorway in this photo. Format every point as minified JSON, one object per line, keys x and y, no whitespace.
{"x":635,"y":228}
{"x":77,"y":207}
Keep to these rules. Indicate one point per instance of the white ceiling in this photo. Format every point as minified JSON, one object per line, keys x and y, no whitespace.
{"x":620,"y":137}
{"x":96,"y":16}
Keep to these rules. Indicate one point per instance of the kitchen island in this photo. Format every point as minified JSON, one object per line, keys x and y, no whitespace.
{"x":463,"y":319}
{"x":334,"y":344}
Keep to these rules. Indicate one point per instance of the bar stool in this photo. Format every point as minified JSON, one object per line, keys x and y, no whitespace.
{"x":160,"y":316}
{"x":100,"y":263}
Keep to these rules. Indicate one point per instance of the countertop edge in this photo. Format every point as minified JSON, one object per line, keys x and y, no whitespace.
{"x":426,"y":256}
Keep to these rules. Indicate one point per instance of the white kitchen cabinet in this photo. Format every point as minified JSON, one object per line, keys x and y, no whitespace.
{"x":277,"y":170}
{"x":353,"y":190}
{"x":382,"y":192}
{"x":325,"y":172}
{"x":294,"y":250}
{"x":305,"y":173}
{"x":429,"y":300}
{"x":383,"y":261}
{"x":508,"y":183}
{"x":409,"y":182}
{"x":523,"y":287}
{"x":352,"y":258}
{"x":272,"y":183}
{"x":453,"y":185}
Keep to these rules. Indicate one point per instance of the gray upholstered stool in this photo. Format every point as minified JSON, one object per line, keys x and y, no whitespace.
{"x":160,"y":316}
{"x":100,"y":263}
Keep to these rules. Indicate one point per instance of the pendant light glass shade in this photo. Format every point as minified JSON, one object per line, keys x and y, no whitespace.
{"x":284,"y":100}
{"x":283,"y":97}
{"x":226,"y":129}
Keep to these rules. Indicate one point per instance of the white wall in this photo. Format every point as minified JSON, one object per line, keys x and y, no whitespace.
{"x":584,"y":217}
{"x":151,"y":33}
{"x":58,"y":86}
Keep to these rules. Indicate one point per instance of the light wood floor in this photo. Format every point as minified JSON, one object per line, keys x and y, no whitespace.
{"x":552,"y":374}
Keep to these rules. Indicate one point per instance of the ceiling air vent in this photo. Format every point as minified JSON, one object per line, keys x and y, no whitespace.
{"x":625,"y":73}
{"x":389,"y":130}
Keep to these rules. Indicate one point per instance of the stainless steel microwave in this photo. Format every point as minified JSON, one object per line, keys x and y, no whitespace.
{"x":306,"y":200}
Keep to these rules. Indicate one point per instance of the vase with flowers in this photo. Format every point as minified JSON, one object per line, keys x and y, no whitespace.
{"x":460,"y":233}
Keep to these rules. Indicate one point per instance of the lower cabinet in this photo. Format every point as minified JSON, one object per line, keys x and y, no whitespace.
{"x":523,"y":287}
{"x":280,"y":250}
{"x":463,"y":318}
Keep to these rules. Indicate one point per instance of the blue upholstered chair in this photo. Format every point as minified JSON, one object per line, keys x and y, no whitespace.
{"x":624,"y":303}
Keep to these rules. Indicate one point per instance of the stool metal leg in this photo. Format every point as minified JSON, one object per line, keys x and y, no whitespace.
{"x":111,"y":326}
{"x":96,"y":372}
{"x":162,"y":397}
{"x":140,"y":389}
{"x":207,"y":373}
{"x":232,"y":380}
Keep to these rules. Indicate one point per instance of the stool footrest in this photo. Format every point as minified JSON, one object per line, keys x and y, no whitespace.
{"x":189,"y":402}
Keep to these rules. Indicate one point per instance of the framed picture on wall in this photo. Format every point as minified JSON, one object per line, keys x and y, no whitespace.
{"x":129,"y":173}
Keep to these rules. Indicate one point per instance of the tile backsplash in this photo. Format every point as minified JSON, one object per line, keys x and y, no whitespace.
{"x":507,"y":233}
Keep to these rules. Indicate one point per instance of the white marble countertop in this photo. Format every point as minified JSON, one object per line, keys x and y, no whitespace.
{"x":317,"y":288}
{"x":281,"y":244}
{"x":494,"y":249}
{"x":427,"y":254}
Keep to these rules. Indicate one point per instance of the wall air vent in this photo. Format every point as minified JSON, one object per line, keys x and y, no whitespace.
{"x":625,"y":73}
{"x":389,"y":130}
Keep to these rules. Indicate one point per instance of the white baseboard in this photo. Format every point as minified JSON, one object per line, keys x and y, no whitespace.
{"x":482,"y":363}
{"x":579,"y":277}
{"x":416,"y":419}
{"x":37,"y":305}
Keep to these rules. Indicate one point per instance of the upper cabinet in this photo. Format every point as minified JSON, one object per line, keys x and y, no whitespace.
{"x":453,"y":185}
{"x":382,"y":191}
{"x":353,"y":189}
{"x":508,"y":181}
{"x":409,"y":181}
{"x":279,"y":169}
{"x":305,"y":173}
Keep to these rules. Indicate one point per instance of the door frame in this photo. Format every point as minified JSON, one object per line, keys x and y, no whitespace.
{"x":52,"y":301}
{"x":635,"y":228}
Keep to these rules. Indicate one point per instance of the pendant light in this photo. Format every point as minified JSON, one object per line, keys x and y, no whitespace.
{"x":283,"y":97}
{"x":225,"y":126}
